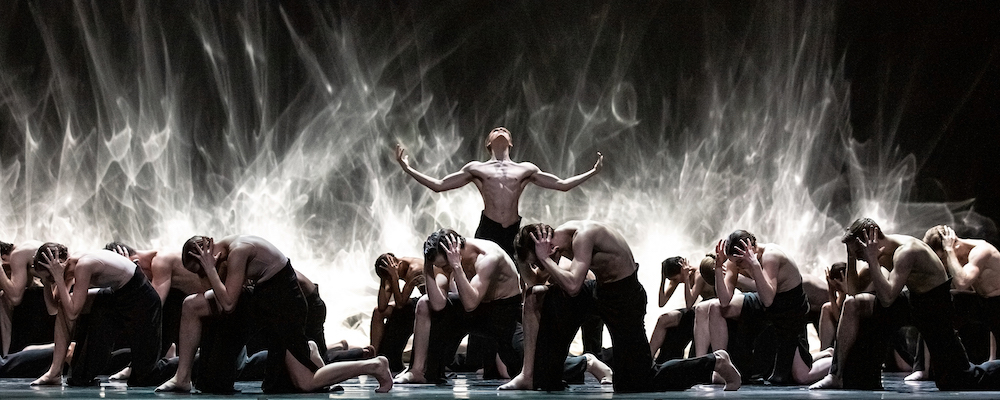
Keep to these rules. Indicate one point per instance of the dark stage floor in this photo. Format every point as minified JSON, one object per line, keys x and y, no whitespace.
{"x":468,"y":387}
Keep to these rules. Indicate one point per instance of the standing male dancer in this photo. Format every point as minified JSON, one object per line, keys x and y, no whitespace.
{"x":912,"y":263}
{"x":487,"y":302}
{"x":617,"y":296}
{"x":500,"y":182}
{"x":262,"y":293}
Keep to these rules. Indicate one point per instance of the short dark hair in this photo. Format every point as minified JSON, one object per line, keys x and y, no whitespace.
{"x":6,"y":248}
{"x":60,"y":251}
{"x":192,"y":245}
{"x":671,"y":266}
{"x":735,"y":241}
{"x":933,"y":238}
{"x":113,"y":246}
{"x":837,"y":270}
{"x":434,"y":245}
{"x":860,"y":225}
{"x":523,"y":244}
{"x":707,"y":269}
{"x":382,"y":263}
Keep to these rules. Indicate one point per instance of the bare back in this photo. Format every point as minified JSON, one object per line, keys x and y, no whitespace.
{"x":180,"y":278}
{"x":502,"y":278}
{"x":925,"y":269}
{"x":986,"y":257}
{"x":263,"y":260}
{"x":107,"y":269}
{"x":610,"y":256}
{"x":788,"y":276}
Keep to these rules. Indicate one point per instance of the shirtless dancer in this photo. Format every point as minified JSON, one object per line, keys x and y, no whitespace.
{"x":912,"y":263}
{"x":120,"y":299}
{"x":500,"y":182}
{"x":393,"y":318}
{"x":779,"y":299}
{"x":973,"y":265}
{"x":617,"y":296}
{"x":260,"y":288}
{"x":486,"y":302}
{"x":13,"y":282}
{"x":680,"y":322}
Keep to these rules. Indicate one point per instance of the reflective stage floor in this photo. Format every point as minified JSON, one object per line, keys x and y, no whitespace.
{"x":467,"y":386}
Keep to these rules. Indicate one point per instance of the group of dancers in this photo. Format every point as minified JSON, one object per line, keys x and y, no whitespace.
{"x":214,"y":312}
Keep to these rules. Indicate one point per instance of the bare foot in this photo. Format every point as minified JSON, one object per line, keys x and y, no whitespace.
{"x":49,"y":379}
{"x":121,"y":375}
{"x":314,"y":354}
{"x":917,"y":376}
{"x":520,"y":382}
{"x":173,"y":386}
{"x":408,"y":376}
{"x":829,"y":382}
{"x":601,"y":371}
{"x":725,"y":368}
{"x":382,"y":375}
{"x":171,"y":351}
{"x":368,"y":352}
{"x":828,"y":352}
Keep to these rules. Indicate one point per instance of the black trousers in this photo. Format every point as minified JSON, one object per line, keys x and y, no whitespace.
{"x":277,"y":309}
{"x":30,"y":321}
{"x":26,"y":363}
{"x":622,"y":306}
{"x":132,"y":313}
{"x":398,"y":329}
{"x":498,"y":321}
{"x":677,"y":338}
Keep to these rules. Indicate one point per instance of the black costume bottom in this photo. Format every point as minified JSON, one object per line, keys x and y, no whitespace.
{"x":276,"y":308}
{"x":497,"y":320}
{"x":480,"y":352}
{"x":676,"y":338}
{"x":26,"y":363}
{"x":932,"y":314}
{"x":172,"y":318}
{"x":30,"y":321}
{"x":132,"y":313}
{"x":788,"y":314}
{"x":622,"y":306}
{"x":397,"y":331}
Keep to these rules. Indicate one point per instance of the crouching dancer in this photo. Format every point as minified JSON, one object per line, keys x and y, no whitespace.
{"x":261,"y":293}
{"x":617,"y":296}
{"x":912,"y":263}
{"x":121,"y":301}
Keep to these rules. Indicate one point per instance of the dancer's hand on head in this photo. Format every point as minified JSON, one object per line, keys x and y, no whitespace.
{"x":53,"y":264}
{"x":744,"y":252}
{"x":453,"y":251}
{"x":121,"y":250}
{"x":869,"y":242}
{"x":401,"y":157}
{"x":204,"y":254}
{"x":543,"y":244}
{"x":948,"y":237}
{"x":600,"y":162}
{"x":720,"y":254}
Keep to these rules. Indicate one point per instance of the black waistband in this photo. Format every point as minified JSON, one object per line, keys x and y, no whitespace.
{"x":627,"y":281}
{"x":486,"y":222}
{"x":286,"y":273}
{"x":133,"y":283}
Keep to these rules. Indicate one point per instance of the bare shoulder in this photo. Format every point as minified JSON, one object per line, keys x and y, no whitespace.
{"x":984,"y":254}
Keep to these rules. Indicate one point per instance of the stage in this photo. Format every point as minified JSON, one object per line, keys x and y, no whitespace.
{"x":466,"y":386}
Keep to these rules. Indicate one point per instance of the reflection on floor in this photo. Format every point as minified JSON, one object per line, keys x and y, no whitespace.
{"x":468,"y":386}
